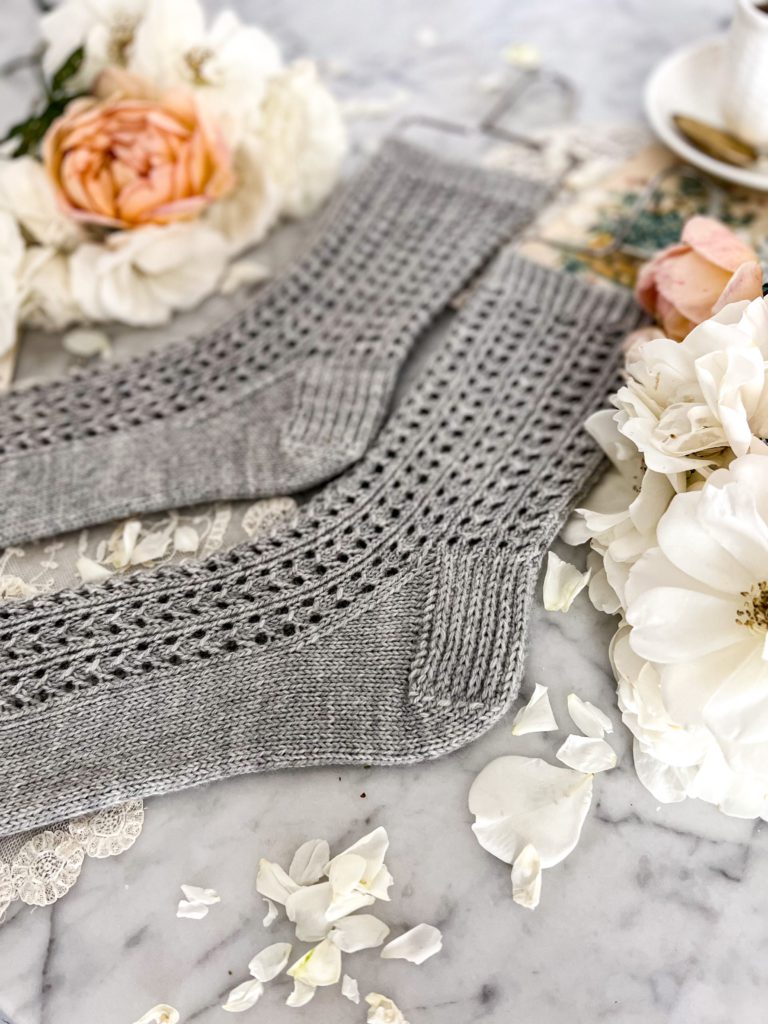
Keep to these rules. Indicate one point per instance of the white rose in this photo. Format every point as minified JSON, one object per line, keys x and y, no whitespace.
{"x":304,"y":138}
{"x":141,"y":277}
{"x":686,"y":401}
{"x":620,"y":515}
{"x":11,"y":257}
{"x":227,"y":65}
{"x":105,"y":28}
{"x":245,"y":215}
{"x":27,"y":193}
{"x":46,"y":290}
{"x":698,"y":607}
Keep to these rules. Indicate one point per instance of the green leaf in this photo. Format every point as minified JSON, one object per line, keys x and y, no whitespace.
{"x":29,"y":134}
{"x":67,"y":71}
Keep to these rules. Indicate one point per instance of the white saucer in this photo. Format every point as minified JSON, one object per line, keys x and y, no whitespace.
{"x":688,"y":82}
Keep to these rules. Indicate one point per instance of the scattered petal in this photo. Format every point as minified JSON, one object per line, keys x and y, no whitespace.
{"x":186,"y":539}
{"x":267,"y":964}
{"x":150,"y":548}
{"x":591,"y":720}
{"x":320,"y":966}
{"x":271,"y":916}
{"x":372,"y":848}
{"x":526,"y":878}
{"x":243,"y":997}
{"x":341,"y":906}
{"x":537,"y":714}
{"x":361,"y":931}
{"x":349,"y":989}
{"x":160,"y":1014}
{"x":196,"y":894}
{"x":243,"y":272}
{"x":92,"y":572}
{"x":382,"y":880}
{"x":86,"y":343}
{"x":586,"y":754}
{"x":309,"y":862}
{"x":307,"y":908}
{"x":416,"y":945}
{"x":345,"y":872}
{"x":191,"y":909}
{"x":314,"y":908}
{"x":301,"y":995}
{"x":382,"y":1010}
{"x":273,"y":882}
{"x":562,"y":583}
{"x":521,"y":800}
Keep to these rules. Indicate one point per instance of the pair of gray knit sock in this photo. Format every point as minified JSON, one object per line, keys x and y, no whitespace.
{"x":387,"y":623}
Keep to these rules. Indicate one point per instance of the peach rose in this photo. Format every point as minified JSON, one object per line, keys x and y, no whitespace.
{"x":692,"y":280}
{"x":123,"y":159}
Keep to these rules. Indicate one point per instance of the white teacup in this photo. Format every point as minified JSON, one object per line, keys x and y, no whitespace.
{"x":745,"y":73}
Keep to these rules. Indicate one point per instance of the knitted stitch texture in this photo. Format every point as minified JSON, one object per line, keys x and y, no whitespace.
{"x":386,"y":625}
{"x":285,"y":395}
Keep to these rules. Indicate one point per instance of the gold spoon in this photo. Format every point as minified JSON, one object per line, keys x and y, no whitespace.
{"x":716,"y":142}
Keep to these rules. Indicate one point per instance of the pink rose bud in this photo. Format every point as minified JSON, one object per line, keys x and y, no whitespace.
{"x":692,"y":280}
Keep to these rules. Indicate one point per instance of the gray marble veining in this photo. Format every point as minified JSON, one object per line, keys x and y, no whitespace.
{"x":658,"y":917}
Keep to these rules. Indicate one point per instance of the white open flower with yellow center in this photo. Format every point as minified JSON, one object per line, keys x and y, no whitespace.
{"x":698,"y":608}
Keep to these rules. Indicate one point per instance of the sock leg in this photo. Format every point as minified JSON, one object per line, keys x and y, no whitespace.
{"x":285,"y":396}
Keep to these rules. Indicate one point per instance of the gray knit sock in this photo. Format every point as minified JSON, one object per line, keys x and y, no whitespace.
{"x":286,"y":395}
{"x":385,"y":625}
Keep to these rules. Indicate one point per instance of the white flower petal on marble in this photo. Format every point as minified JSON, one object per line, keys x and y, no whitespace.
{"x":320,"y":967}
{"x":244,"y":996}
{"x":346,"y":872}
{"x":160,"y":1014}
{"x":341,"y":906}
{"x":186,"y":540}
{"x":91,"y":571}
{"x":563,"y":582}
{"x":85,"y":343}
{"x":197,"y":902}
{"x":309,"y":862}
{"x":536,"y":716}
{"x":197,"y":894}
{"x":526,"y":877}
{"x":591,"y":720}
{"x":381,"y":1010}
{"x":359,"y":931}
{"x":271,"y":915}
{"x":350,"y":989}
{"x":191,"y":910}
{"x":314,"y":908}
{"x":273,"y":882}
{"x":376,"y":879}
{"x":301,"y":994}
{"x":273,"y":959}
{"x":416,"y":945}
{"x":521,"y":800}
{"x":307,"y":908}
{"x":586,"y":754}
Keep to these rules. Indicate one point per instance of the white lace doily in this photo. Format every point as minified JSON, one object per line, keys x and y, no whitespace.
{"x":40,"y":866}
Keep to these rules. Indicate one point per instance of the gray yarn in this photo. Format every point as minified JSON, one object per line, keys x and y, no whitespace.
{"x":386,"y":625}
{"x":287,"y":394}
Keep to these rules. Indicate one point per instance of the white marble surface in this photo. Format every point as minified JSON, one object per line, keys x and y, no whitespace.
{"x":660,"y":916}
